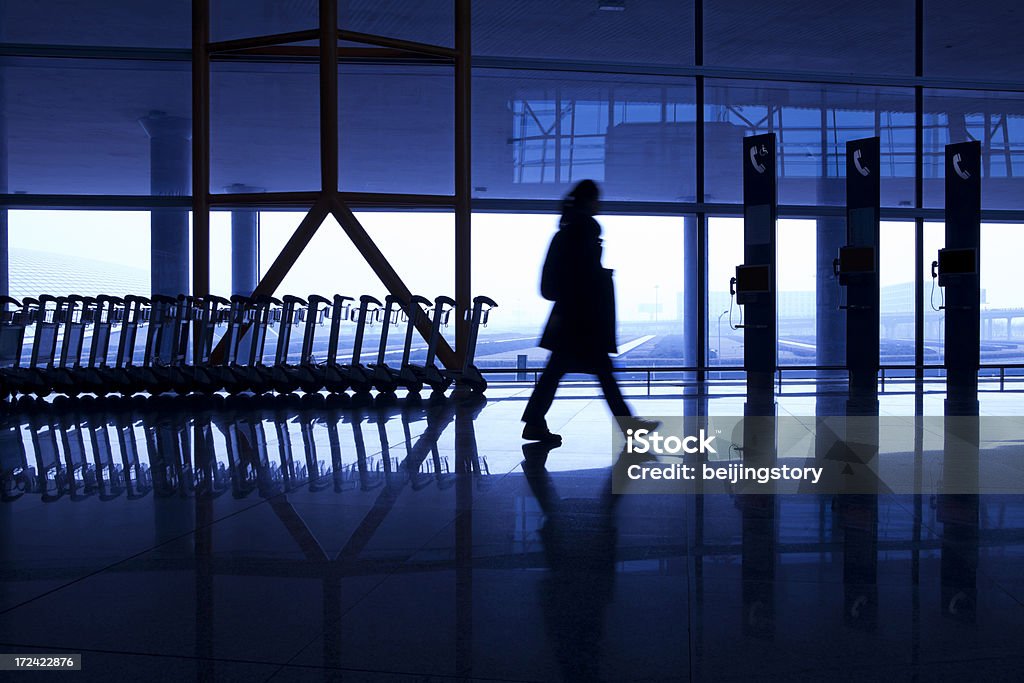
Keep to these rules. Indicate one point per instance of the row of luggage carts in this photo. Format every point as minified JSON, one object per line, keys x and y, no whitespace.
{"x":104,"y":345}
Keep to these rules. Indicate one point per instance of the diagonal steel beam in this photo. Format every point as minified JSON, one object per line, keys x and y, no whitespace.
{"x":290,"y":253}
{"x":298,"y":529}
{"x":262,"y":41}
{"x":383,"y":269}
{"x":397,"y":44}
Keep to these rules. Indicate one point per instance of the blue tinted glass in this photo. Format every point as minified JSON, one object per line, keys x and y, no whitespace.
{"x":812,"y":124}
{"x":91,"y":126}
{"x":264,"y":126}
{"x":231,"y":19}
{"x":994,"y":118}
{"x":396,"y":125}
{"x":871,"y":36}
{"x":973,"y":41}
{"x":421,"y":21}
{"x":123,"y":23}
{"x":652,"y":31}
{"x":537,"y":133}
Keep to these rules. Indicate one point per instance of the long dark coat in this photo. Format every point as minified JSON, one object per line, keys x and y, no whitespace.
{"x":582,"y":321}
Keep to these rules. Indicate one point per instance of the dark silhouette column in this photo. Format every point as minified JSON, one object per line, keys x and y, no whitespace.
{"x":245,"y":253}
{"x":170,"y":174}
{"x":690,"y":291}
{"x":830,"y":324}
{"x":5,"y":253}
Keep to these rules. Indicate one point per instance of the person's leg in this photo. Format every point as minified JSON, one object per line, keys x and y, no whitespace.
{"x":544,"y":393}
{"x":612,"y":393}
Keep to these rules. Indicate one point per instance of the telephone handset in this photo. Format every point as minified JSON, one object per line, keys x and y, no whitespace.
{"x":942,"y":295}
{"x":864,"y":171}
{"x":964,"y":175}
{"x":760,"y":168}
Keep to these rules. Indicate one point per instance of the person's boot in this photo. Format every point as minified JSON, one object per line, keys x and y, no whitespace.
{"x":538,"y":431}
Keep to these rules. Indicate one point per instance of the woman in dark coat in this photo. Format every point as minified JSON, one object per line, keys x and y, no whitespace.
{"x":580,"y":332}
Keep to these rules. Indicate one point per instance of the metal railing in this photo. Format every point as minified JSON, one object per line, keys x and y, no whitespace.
{"x":893,"y":374}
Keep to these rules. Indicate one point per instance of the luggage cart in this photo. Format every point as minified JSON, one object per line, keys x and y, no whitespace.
{"x":469,"y":376}
{"x":14,"y":320}
{"x":67,"y":375}
{"x":428,"y":373}
{"x":386,"y":378}
{"x":47,"y":316}
{"x":340,"y":376}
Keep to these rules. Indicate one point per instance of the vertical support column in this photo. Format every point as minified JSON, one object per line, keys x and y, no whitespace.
{"x":760,"y":324}
{"x":169,"y":175}
{"x":329,"y":96}
{"x":830,"y":324}
{"x":698,"y":279}
{"x":828,"y":320}
{"x":5,"y":253}
{"x":245,"y":227}
{"x":691,"y":291}
{"x":463,"y":178}
{"x":918,"y":198}
{"x":204,"y":546}
{"x":200,"y":147}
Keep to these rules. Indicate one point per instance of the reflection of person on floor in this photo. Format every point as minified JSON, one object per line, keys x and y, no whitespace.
{"x":580,"y":538}
{"x":580,"y":332}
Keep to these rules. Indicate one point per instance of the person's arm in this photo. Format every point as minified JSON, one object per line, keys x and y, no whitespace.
{"x":553,"y":273}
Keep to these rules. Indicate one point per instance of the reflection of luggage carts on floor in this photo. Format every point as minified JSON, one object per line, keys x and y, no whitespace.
{"x":15,"y":474}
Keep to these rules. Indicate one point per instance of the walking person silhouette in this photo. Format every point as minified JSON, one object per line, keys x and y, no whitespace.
{"x":580,"y":331}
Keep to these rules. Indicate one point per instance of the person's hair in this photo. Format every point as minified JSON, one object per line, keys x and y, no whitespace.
{"x":581,"y":196}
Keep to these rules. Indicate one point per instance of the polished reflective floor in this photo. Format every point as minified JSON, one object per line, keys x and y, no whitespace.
{"x":307,"y":540}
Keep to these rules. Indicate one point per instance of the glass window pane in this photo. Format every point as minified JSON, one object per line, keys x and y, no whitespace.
{"x":535,"y":134}
{"x":646,"y":253}
{"x":1002,"y":299}
{"x":420,"y":21}
{"x":796,"y":283}
{"x":220,"y":254}
{"x":80,"y":126}
{"x":139,"y":23}
{"x":994,"y":118}
{"x":264,"y":126}
{"x":508,"y":252}
{"x":330,"y":264}
{"x":652,"y":31}
{"x":230,"y":19}
{"x":970,"y":41}
{"x":725,"y":252}
{"x":896,"y":277}
{"x":70,"y":252}
{"x":812,"y":124}
{"x":796,"y":279}
{"x":934,"y":320}
{"x":396,"y":129}
{"x":873,"y":36}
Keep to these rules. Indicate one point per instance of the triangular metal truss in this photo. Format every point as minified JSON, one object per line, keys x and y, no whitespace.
{"x":329,"y":199}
